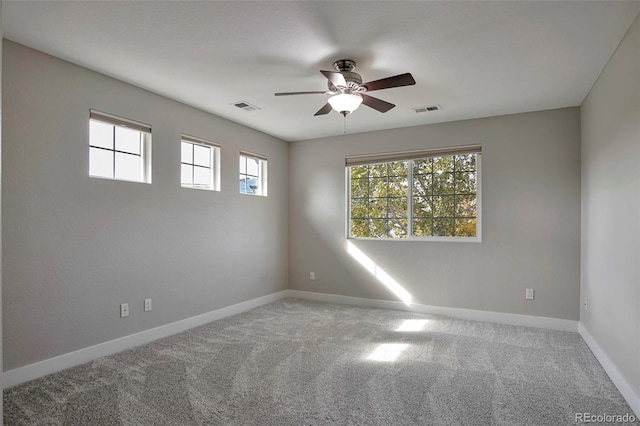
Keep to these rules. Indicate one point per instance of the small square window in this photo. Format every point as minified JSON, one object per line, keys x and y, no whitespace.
{"x":199,"y":164}
{"x":119,"y":149}
{"x":253,"y":174}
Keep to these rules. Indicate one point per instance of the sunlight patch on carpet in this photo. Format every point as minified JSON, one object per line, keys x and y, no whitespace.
{"x":387,"y":352}
{"x":413,"y":325}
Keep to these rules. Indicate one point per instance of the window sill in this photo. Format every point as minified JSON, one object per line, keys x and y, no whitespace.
{"x":423,"y":239}
{"x":118,"y":179}
{"x":200,"y":189}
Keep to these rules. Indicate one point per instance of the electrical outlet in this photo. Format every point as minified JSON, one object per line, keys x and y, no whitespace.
{"x":312,"y":276}
{"x":124,"y":310}
{"x":528,"y":294}
{"x":147,"y":305}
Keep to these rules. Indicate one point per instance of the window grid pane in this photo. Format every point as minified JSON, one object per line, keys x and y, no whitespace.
{"x":186,"y":175}
{"x":201,"y":177}
{"x":128,"y":141}
{"x":101,"y":134}
{"x":101,"y":162}
{"x":186,"y":152}
{"x":128,"y":166}
{"x":379,"y":201}
{"x":202,"y":156}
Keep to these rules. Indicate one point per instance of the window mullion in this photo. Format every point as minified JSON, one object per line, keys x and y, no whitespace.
{"x":410,"y":199}
{"x":455,"y":189}
{"x":213,"y":180}
{"x":193,"y":166}
{"x":114,"y":151}
{"x":431,"y":199}
{"x":348,"y":191}
{"x":368,"y":201}
{"x":387,"y":217}
{"x":143,"y":170}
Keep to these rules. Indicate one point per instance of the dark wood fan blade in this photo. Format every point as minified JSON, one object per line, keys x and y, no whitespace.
{"x":389,"y":82}
{"x":375,"y":103}
{"x":336,"y":78}
{"x":303,"y":93}
{"x":326,"y":109}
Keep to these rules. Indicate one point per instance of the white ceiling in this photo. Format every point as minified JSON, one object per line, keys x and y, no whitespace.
{"x":475,"y":59}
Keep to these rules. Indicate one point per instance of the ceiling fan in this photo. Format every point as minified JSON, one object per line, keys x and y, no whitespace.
{"x":348,"y":91}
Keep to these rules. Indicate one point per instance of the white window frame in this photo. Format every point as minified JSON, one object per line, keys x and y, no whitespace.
{"x":262,"y":172}
{"x":415,"y":155}
{"x":145,"y":148}
{"x":214,"y":161}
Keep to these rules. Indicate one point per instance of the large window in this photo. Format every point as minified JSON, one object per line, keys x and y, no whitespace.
{"x":199,"y":164}
{"x":119,"y":148}
{"x":253,"y":174}
{"x":417,"y":195}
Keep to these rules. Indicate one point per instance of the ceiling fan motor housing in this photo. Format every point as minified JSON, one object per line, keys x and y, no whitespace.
{"x":353,"y":79}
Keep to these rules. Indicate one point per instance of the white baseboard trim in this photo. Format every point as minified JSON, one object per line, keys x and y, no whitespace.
{"x":632,"y":398}
{"x":42,"y":368}
{"x":469,"y":314}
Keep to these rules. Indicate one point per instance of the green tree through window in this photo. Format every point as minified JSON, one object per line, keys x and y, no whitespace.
{"x":426,"y":197}
{"x":379,"y":201}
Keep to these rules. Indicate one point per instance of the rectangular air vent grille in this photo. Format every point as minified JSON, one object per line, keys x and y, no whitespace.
{"x":245,"y":106}
{"x":428,"y":108}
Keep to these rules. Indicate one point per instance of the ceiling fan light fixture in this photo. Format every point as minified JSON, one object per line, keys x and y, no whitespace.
{"x":345,"y":103}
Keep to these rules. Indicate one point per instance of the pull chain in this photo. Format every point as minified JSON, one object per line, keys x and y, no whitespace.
{"x":345,"y":124}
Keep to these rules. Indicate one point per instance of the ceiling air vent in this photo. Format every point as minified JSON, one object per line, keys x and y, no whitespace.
{"x":245,"y":106}
{"x":428,"y":108}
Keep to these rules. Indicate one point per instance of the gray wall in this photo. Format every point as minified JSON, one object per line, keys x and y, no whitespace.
{"x":610,"y":255}
{"x":75,"y":247}
{"x":531,"y":219}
